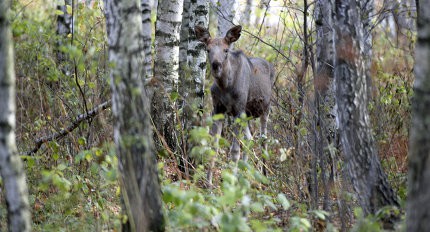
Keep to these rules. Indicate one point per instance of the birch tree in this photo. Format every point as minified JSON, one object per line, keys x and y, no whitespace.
{"x":417,"y":212}
{"x":167,"y":39}
{"x":226,"y":11}
{"x":145,"y":7}
{"x":132,"y":129}
{"x":11,"y":169}
{"x":196,"y":53}
{"x":193,"y":70}
{"x":368,"y":179}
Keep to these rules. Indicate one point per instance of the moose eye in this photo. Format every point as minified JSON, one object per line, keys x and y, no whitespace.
{"x":225,"y":50}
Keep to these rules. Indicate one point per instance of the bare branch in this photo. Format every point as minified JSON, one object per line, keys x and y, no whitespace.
{"x":75,"y":123}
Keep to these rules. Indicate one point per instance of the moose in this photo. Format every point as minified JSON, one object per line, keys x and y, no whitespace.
{"x":242,"y":85}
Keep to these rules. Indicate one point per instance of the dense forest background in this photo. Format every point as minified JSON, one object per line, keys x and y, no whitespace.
{"x":65,"y":121}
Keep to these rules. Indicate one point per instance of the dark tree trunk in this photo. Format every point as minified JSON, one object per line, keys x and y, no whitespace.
{"x":64,"y":28}
{"x":326,"y":132}
{"x":418,"y":212}
{"x":141,"y":191}
{"x":363,"y":165}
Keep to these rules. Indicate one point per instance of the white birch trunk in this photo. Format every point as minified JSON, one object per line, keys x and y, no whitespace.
{"x":196,"y":54}
{"x":11,"y":169}
{"x":167,"y":40}
{"x":147,"y":36}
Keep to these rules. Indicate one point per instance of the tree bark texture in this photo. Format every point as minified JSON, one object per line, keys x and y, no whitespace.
{"x":326,"y":131}
{"x":247,"y":12}
{"x":11,"y":168}
{"x":364,"y":168}
{"x":167,"y":40}
{"x":145,"y":7}
{"x":418,"y":212}
{"x":64,"y":28}
{"x":132,"y":129}
{"x":226,"y":11}
{"x":193,"y":62}
{"x":196,"y":53}
{"x":366,"y":13}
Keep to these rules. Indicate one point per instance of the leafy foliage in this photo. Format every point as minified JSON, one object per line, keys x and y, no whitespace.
{"x":73,"y":180}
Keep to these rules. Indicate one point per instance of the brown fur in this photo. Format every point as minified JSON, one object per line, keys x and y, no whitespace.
{"x":242,"y":84}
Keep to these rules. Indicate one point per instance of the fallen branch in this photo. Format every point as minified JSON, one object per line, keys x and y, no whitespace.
{"x":63,"y":132}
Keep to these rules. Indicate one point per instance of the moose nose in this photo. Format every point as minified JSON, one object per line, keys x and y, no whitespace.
{"x":215,"y":65}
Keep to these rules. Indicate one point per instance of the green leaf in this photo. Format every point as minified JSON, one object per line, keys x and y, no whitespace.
{"x":305,"y":222}
{"x":217,"y":117}
{"x":283,"y":201}
{"x":61,"y":166}
{"x":320,"y":214}
{"x":30,"y":162}
{"x":59,"y":12}
{"x":69,"y":9}
{"x":174,"y":96}
{"x":82,"y":141}
{"x":257,"y":207}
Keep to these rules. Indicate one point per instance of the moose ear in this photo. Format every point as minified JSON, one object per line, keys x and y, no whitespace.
{"x":202,"y":34}
{"x":233,"y":34}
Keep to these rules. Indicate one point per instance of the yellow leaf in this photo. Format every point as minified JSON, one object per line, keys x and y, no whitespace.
{"x":69,"y":9}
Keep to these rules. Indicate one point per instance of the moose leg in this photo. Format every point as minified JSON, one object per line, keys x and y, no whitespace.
{"x":235,"y":147}
{"x":248,"y":137}
{"x":263,"y":135}
{"x":215,"y":131}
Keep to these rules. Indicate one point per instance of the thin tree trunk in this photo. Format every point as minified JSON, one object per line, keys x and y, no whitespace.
{"x":196,"y":54}
{"x":366,"y":13}
{"x":147,"y":36}
{"x":300,"y":84}
{"x":141,"y":191}
{"x":185,"y":90}
{"x":193,"y":71}
{"x":246,"y":14}
{"x":226,"y":11}
{"x":418,"y":212}
{"x":167,"y":40}
{"x":64,"y":28}
{"x":368,"y":179}
{"x":324,"y":95}
{"x":11,"y":169}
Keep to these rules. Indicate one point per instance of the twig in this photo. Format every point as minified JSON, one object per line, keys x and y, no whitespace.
{"x":63,"y":132}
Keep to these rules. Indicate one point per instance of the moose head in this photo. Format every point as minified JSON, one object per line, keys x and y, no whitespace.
{"x":218,"y":48}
